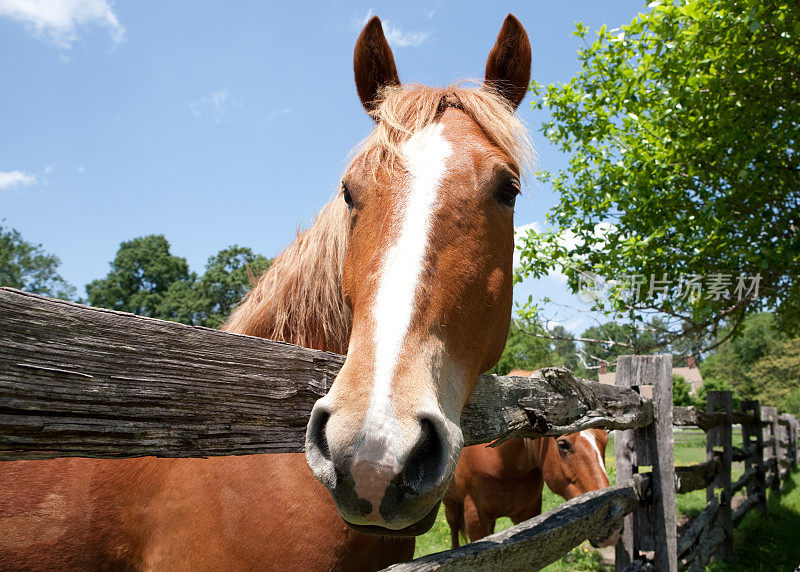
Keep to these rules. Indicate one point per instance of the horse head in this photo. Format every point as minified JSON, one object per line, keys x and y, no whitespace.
{"x":427,"y":275}
{"x":575,"y":464}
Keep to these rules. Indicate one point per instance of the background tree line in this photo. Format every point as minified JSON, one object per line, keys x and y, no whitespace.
{"x":145,"y":279}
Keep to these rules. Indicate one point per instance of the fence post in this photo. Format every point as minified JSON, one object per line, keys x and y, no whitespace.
{"x":776,"y":449}
{"x":722,"y":437}
{"x":785,"y":443}
{"x":627,"y":549}
{"x":653,"y":526}
{"x":753,"y":433}
{"x":770,"y":450}
{"x":793,"y":438}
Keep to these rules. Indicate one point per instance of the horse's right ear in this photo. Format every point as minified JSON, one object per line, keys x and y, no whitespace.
{"x":508,"y":69}
{"x":373,"y":64}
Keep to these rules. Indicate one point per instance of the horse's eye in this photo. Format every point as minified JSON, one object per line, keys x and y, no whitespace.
{"x":563,"y":446}
{"x":348,"y":199}
{"x":507,"y":194}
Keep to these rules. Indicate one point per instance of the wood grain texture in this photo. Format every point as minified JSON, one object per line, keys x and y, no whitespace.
{"x":551,"y":402}
{"x":654,"y":524}
{"x":742,"y":510}
{"x":691,"y":416}
{"x":721,"y":436}
{"x":743,"y":453}
{"x":696,"y":477}
{"x":539,"y":541}
{"x":747,"y":477}
{"x":80,"y":381}
{"x":753,"y":436}
{"x":694,"y":536}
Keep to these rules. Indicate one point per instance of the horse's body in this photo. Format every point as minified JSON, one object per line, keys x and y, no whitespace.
{"x":508,"y":480}
{"x":259,"y":512}
{"x":408,"y":272}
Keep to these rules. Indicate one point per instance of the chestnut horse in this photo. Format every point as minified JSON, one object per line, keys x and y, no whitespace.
{"x":508,"y":480}
{"x":408,"y":270}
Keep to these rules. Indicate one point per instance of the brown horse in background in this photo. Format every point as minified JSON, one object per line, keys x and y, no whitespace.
{"x":508,"y":480}
{"x":408,"y":270}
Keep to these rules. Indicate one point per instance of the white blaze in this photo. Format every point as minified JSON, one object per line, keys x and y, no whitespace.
{"x":424,"y":156}
{"x":589,"y":436}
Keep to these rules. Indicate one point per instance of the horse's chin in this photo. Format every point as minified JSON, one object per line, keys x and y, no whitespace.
{"x":420,"y":527}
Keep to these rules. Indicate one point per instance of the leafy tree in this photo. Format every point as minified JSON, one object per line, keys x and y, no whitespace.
{"x":682,"y":129}
{"x":225,"y":282}
{"x":715,"y":384}
{"x":28,"y":267}
{"x":681,"y":391}
{"x":608,"y":341}
{"x":523,"y":349}
{"x":530,"y":346}
{"x":733,"y":359}
{"x":142,"y":273}
{"x":775,"y":377}
{"x":147,"y":279}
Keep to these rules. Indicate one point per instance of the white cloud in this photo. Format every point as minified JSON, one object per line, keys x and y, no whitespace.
{"x":217,"y":105}
{"x":10,"y":179}
{"x":49,"y":168}
{"x":403,"y":39}
{"x":58,"y":21}
{"x":395,"y":35}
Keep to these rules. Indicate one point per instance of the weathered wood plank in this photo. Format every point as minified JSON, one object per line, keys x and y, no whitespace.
{"x":691,"y":540}
{"x":770,"y":414}
{"x":743,"y":453}
{"x":721,"y":436}
{"x":708,"y":546}
{"x":550,"y":402}
{"x":80,"y":381}
{"x":693,"y":417}
{"x":696,"y":477}
{"x":654,"y":446}
{"x":539,"y":541}
{"x":627,"y":549}
{"x":742,"y":510}
{"x":753,"y":436}
{"x":747,"y":477}
{"x":690,"y":416}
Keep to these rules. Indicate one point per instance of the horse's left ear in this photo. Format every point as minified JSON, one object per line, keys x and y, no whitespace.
{"x":508,"y":69}
{"x":373,"y":64}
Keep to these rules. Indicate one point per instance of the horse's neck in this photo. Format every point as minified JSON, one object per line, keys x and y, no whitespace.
{"x":518,"y":457}
{"x":299,"y":299}
{"x":534,"y":452}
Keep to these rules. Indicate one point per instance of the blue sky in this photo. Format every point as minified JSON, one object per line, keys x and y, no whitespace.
{"x":217,"y":123}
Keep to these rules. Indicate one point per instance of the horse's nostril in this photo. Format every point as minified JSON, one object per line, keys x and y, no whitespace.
{"x":318,"y":454}
{"x":427,"y":461}
{"x":316,"y":435}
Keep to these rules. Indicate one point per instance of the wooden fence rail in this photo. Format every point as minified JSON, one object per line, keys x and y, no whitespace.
{"x":79,"y":381}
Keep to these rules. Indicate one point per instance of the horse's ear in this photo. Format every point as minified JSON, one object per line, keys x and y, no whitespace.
{"x":508,"y":69}
{"x":373,"y":63}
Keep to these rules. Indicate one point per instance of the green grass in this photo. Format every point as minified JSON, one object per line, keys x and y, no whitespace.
{"x":770,"y":542}
{"x":690,"y":448}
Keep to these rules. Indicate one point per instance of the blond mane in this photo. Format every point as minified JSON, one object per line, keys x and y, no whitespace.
{"x":299,"y":299}
{"x":404,"y":110}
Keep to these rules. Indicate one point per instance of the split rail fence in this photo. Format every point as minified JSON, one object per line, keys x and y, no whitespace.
{"x":79,"y":381}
